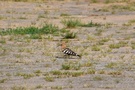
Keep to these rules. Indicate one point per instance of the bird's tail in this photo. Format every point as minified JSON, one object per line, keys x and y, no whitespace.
{"x":79,"y":56}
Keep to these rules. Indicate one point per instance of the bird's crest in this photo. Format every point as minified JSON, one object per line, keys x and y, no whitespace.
{"x":63,"y":45}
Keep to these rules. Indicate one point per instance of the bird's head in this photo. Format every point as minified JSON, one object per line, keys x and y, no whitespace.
{"x":62,"y":45}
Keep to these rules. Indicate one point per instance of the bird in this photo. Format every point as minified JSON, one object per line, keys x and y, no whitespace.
{"x":67,"y":51}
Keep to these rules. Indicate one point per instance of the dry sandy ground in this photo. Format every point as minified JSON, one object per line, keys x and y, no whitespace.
{"x":25,"y":63}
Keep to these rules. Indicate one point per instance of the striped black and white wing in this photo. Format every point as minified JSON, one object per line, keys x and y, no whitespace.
{"x":69,"y":52}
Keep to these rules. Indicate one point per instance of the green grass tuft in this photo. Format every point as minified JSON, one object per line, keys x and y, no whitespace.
{"x":71,"y":23}
{"x":46,"y":29}
{"x":91,"y":24}
{"x":69,"y":35}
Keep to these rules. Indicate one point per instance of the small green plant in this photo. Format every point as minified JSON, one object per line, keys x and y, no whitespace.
{"x":114,"y":73}
{"x":97,"y":78}
{"x":2,"y":41}
{"x":71,"y":23}
{"x":91,"y":71}
{"x":56,"y":72}
{"x":39,"y":86}
{"x":133,"y":46}
{"x":56,"y":87}
{"x":76,"y":74}
{"x":64,"y":14}
{"x":35,"y":36}
{"x":101,"y":72}
{"x":25,"y":75}
{"x":22,"y":18}
{"x":49,"y":78}
{"x":71,"y":66}
{"x":96,"y":48}
{"x":94,"y":1}
{"x":99,"y":32}
{"x":38,"y":72}
{"x":118,"y":45}
{"x":69,"y":35}
{"x":91,"y":24}
{"x":3,"y":80}
{"x":46,"y":29}
{"x":19,"y":88}
{"x":87,"y":64}
{"x":111,"y":65}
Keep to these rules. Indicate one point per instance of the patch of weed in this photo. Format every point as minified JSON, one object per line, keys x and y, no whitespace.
{"x":25,"y":75}
{"x":71,"y":66}
{"x":118,"y":45}
{"x":91,"y":24}
{"x":87,"y":64}
{"x":97,"y":78}
{"x":46,"y":29}
{"x":69,"y":35}
{"x":115,"y":73}
{"x":19,"y":88}
{"x":49,"y":78}
{"x":91,"y":71}
{"x":64,"y":14}
{"x":71,"y":23}
{"x":3,"y":80}
{"x":39,"y":86}
{"x":111,"y":65}
{"x":57,"y":87}
{"x":96,"y":48}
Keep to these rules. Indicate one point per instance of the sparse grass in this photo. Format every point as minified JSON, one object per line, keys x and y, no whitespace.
{"x":69,"y":35}
{"x":91,"y":71}
{"x":94,"y":1}
{"x":56,"y":87}
{"x":22,"y":18}
{"x":26,"y":0}
{"x":38,"y":72}
{"x":87,"y":64}
{"x":35,"y":36}
{"x":91,"y":24}
{"x":3,"y":41}
{"x":46,"y":29}
{"x":99,"y":32}
{"x":19,"y":88}
{"x":49,"y":78}
{"x":101,"y":72}
{"x":73,"y":73}
{"x":61,"y":74}
{"x":56,"y":72}
{"x":115,"y":73}
{"x":71,"y":23}
{"x":118,"y":45}
{"x":39,"y":86}
{"x":71,"y":66}
{"x":102,"y":41}
{"x":25,"y":75}
{"x":76,"y":74}
{"x":122,"y":8}
{"x":41,"y":16}
{"x":133,"y":46}
{"x":1,"y":17}
{"x":111,"y":65}
{"x":64,"y":14}
{"x":98,"y":78}
{"x":3,"y":80}
{"x":96,"y":48}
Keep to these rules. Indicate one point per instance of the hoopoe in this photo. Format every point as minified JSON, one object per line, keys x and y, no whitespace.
{"x":68,"y":51}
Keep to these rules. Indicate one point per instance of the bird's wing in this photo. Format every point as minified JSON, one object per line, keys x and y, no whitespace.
{"x":69,"y":52}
